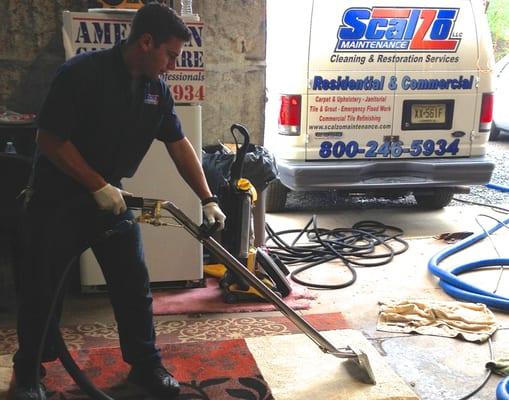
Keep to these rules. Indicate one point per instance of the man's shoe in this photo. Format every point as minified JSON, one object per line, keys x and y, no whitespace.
{"x":155,"y":380}
{"x":30,"y":392}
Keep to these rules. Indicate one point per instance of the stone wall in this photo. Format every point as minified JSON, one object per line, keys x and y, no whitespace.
{"x":31,"y":49}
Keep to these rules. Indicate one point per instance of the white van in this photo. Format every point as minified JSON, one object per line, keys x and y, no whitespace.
{"x":384,"y":96}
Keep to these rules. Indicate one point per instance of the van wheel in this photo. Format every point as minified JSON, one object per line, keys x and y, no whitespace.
{"x":494,"y":132}
{"x":276,"y":196}
{"x":434,"y":201}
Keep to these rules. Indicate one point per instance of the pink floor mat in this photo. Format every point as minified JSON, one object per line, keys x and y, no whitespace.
{"x":210,"y":300}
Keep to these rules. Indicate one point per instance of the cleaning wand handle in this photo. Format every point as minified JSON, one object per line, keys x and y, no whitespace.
{"x":240,"y":269}
{"x":232,"y":263}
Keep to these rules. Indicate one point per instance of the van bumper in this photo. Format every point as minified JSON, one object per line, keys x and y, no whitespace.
{"x":384,"y":174}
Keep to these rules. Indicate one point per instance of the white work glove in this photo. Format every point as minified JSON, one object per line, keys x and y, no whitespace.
{"x":212,"y":214}
{"x":110,"y":198}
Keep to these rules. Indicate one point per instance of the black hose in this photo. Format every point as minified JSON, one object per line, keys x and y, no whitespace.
{"x":76,"y":373}
{"x":486,"y":378}
{"x":353,"y":246}
{"x":63,"y":353}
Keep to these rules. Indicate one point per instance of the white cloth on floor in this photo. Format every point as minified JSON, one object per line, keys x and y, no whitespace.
{"x":471,"y":321}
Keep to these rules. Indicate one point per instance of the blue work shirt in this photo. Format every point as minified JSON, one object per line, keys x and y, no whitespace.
{"x":111,"y":119}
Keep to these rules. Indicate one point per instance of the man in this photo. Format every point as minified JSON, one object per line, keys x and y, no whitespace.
{"x":100,"y":116}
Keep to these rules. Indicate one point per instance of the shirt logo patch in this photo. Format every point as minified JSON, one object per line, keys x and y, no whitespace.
{"x":151,"y":99}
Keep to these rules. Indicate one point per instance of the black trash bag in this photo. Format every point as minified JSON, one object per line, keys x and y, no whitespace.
{"x":259,"y":167}
{"x":216,"y":163}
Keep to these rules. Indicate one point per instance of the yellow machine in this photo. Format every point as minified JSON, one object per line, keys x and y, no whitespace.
{"x":237,"y":200}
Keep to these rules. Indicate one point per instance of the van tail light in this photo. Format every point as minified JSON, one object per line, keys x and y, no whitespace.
{"x":486,"y":112}
{"x":289,"y":115}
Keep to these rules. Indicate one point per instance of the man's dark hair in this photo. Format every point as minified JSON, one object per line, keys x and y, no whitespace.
{"x":161,"y":22}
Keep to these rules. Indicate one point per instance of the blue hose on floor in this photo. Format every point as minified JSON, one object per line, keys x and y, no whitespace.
{"x":503,"y":389}
{"x":500,"y":188}
{"x":456,"y":288}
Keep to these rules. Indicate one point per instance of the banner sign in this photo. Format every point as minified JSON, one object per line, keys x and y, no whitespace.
{"x":94,"y":31}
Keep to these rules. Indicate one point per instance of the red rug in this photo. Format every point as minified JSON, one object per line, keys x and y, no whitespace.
{"x":210,"y":300}
{"x":215,"y":370}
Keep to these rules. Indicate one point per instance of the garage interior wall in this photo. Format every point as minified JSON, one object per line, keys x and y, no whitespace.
{"x":234,"y":38}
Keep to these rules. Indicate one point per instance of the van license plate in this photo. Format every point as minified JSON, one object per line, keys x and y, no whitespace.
{"x":428,"y":113}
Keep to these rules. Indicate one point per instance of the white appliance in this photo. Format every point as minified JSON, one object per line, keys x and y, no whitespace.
{"x":172,"y":256}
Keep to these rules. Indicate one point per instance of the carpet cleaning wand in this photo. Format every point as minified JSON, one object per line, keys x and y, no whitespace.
{"x":151,"y":213}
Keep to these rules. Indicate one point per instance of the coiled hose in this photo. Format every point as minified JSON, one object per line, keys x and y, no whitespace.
{"x":353,"y":246}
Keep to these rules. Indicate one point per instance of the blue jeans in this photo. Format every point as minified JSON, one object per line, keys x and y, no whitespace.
{"x":56,"y":232}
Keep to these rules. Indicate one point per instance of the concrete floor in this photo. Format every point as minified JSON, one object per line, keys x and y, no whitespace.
{"x":435,"y":368}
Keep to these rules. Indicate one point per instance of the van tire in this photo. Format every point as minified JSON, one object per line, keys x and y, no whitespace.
{"x":494,"y":132}
{"x":434,"y":201}
{"x":276,"y":196}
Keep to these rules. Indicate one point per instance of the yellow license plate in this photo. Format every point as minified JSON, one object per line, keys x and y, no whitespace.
{"x":428,"y":113}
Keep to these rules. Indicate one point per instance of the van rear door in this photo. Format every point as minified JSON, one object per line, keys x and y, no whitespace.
{"x":392,"y":79}
{"x":350,"y":103}
{"x":436,"y":99}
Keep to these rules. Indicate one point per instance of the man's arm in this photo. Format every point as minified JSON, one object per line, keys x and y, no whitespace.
{"x":189,"y":166}
{"x":68,"y":159}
